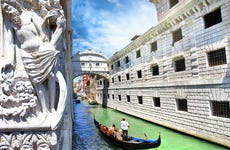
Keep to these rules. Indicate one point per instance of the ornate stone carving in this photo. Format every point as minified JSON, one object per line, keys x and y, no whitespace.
{"x":32,"y":87}
{"x":24,"y":141}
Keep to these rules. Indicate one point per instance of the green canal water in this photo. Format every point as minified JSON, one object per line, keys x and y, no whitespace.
{"x":171,"y":140}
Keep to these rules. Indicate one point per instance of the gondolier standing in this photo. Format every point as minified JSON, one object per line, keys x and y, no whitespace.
{"x":124,"y":127}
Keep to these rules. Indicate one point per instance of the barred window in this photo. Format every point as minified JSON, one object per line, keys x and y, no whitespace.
{"x":139,"y":74}
{"x":212,"y":18}
{"x":182,"y":104}
{"x":217,"y":57}
{"x":221,"y":108}
{"x":179,"y":64}
{"x":156,"y":101}
{"x":140,"y":99}
{"x":128,"y":98}
{"x":155,"y":70}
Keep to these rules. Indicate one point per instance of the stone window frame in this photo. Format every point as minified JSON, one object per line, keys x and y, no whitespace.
{"x":182,"y":104}
{"x":177,"y":35}
{"x":212,"y":18}
{"x":214,"y":57}
{"x":126,"y":59}
{"x":139,"y":74}
{"x":128,"y":98}
{"x":127,"y":76}
{"x":140,"y":100}
{"x":156,"y":101}
{"x":172,"y":3}
{"x":176,"y":63}
{"x":138,"y":53}
{"x":152,"y":69}
{"x":220,"y":108}
{"x":154,"y":46}
{"x":119,"y":97}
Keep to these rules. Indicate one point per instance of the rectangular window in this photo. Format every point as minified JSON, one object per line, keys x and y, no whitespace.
{"x":221,"y":108}
{"x":212,"y":18}
{"x":156,"y":102}
{"x":127,"y":76}
{"x":155,"y":70}
{"x":153,"y":46}
{"x":118,"y":63}
{"x":140,"y":99}
{"x":119,"y":97}
{"x":108,"y":96}
{"x":182,"y":104}
{"x":113,"y":96}
{"x":112,"y":80}
{"x":127,"y":59}
{"x":128,"y":98}
{"x":119,"y":78}
{"x":179,"y":64}
{"x":139,"y":74}
{"x":138,"y":54}
{"x":112,"y":67}
{"x":177,"y":35}
{"x":217,"y":57}
{"x":97,"y":64}
{"x":83,"y":64}
{"x":172,"y":3}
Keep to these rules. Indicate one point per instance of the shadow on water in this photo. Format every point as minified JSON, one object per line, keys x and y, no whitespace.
{"x":86,"y":136}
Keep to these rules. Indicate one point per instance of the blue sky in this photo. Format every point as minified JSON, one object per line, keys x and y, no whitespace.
{"x":107,"y":26}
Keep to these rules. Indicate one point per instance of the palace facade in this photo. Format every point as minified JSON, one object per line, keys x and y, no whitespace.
{"x":177,"y":74}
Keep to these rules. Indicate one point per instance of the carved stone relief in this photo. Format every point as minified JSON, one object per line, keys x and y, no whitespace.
{"x":32,"y":88}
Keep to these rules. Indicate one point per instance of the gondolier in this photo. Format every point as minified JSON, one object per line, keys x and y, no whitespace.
{"x":124,"y":126}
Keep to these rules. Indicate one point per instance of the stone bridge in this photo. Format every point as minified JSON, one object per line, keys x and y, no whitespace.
{"x":89,"y":62}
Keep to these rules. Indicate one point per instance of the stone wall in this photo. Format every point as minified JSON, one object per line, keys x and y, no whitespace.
{"x":200,"y":84}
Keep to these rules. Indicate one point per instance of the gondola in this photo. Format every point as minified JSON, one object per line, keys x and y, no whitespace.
{"x":132,"y":142}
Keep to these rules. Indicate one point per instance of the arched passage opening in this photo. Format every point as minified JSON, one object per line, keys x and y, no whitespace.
{"x":86,"y":85}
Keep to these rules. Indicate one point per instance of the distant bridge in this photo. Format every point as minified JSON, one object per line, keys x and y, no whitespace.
{"x":89,"y":62}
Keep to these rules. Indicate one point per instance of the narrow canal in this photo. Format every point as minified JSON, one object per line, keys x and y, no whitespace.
{"x":86,"y":137}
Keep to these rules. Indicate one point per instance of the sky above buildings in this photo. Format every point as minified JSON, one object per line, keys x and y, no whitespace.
{"x":107,"y":26}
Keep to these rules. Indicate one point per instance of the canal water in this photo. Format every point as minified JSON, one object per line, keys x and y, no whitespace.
{"x":86,"y":136}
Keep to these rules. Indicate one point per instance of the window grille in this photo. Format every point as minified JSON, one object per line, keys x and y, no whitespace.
{"x":221,"y":108}
{"x":212,"y":18}
{"x":217,"y":57}
{"x":182,"y":105}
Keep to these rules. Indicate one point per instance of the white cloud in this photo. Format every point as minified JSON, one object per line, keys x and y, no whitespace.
{"x":114,"y":31}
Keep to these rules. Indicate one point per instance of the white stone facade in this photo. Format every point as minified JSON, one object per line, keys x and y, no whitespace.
{"x":133,"y":87}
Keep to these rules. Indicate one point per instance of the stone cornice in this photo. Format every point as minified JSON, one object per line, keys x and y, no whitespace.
{"x":181,"y":12}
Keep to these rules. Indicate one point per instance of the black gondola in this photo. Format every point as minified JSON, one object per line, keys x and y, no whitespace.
{"x":132,"y":143}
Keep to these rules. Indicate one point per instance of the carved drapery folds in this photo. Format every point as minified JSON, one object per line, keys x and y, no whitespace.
{"x":32,"y":88}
